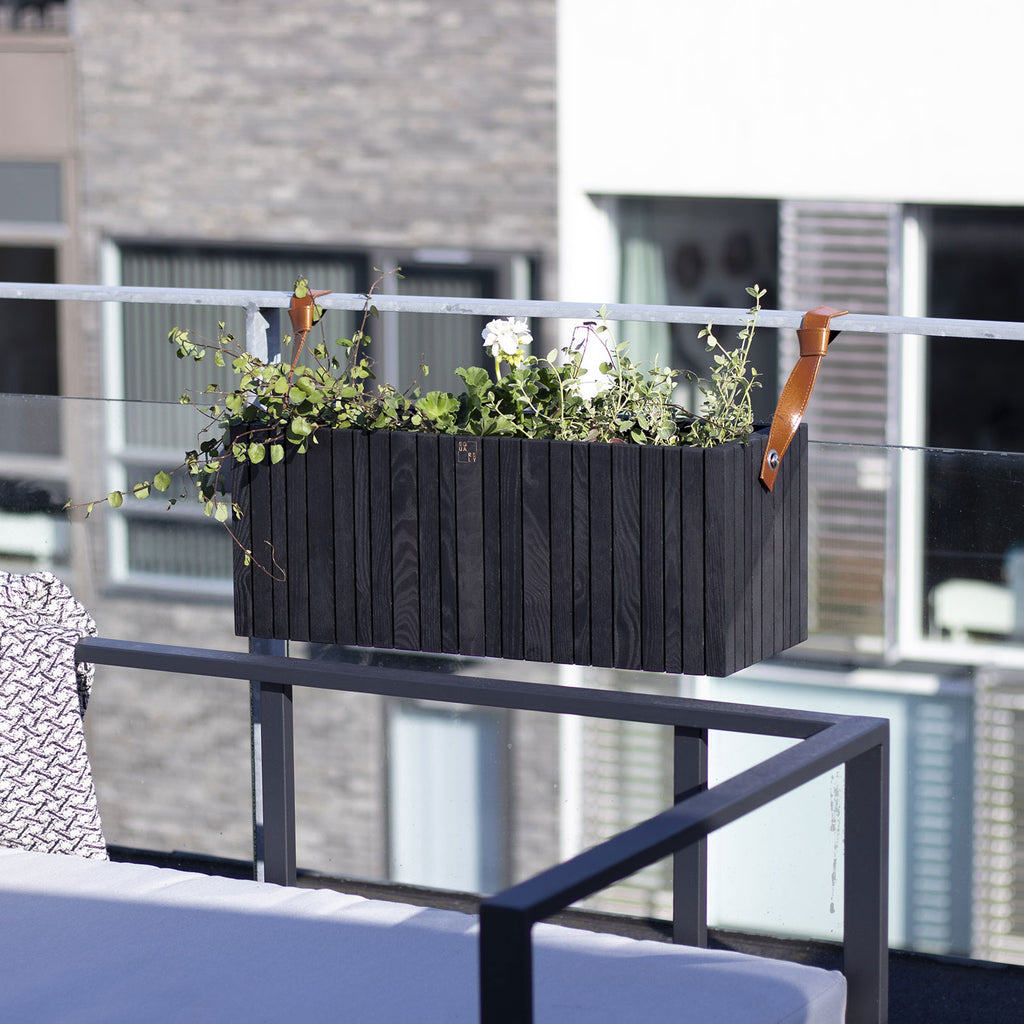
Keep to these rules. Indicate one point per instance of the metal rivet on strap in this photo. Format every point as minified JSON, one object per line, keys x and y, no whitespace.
{"x":773,"y":459}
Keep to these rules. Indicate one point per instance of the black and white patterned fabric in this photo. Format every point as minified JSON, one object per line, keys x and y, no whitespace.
{"x":47,"y":798}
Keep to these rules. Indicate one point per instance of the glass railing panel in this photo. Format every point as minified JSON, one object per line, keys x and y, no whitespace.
{"x":171,"y":755}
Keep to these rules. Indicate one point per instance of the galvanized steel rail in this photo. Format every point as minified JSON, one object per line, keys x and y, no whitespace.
{"x":506,"y":920}
{"x":986,"y":330}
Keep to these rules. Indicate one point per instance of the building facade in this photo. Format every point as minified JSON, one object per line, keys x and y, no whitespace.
{"x":551,"y":150}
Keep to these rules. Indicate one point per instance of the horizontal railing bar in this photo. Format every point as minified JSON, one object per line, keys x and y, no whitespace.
{"x":986,"y":330}
{"x":692,"y":819}
{"x":496,"y":693}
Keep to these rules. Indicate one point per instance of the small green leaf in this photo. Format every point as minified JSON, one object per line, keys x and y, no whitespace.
{"x":276,"y":453}
{"x":116,"y":499}
{"x":222,"y":511}
{"x":162,"y":481}
{"x":256,"y":453}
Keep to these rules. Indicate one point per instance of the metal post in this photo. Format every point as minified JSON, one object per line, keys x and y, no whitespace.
{"x":273,"y":773}
{"x":273,"y":764}
{"x":866,"y":887}
{"x":278,"y":769}
{"x":690,"y":865}
{"x":506,"y":966}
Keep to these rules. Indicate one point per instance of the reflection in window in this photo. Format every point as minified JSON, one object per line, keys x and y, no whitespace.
{"x":33,"y":526}
{"x":447,"y":797}
{"x":974,"y":532}
{"x":698,"y":252}
{"x":28,"y":355}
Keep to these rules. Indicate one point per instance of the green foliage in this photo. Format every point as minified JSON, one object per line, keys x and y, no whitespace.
{"x":279,"y":406}
{"x":727,"y":412}
{"x":549,"y":398}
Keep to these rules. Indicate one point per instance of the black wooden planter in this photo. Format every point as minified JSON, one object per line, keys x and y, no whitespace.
{"x":662,"y":559}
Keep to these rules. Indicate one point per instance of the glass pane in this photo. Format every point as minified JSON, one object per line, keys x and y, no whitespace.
{"x":28,"y":338}
{"x":171,"y":754}
{"x":151,"y":370}
{"x":698,"y":252}
{"x":446,"y":783}
{"x":30,"y":192}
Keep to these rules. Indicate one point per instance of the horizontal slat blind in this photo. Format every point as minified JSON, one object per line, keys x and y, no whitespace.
{"x":151,"y":371}
{"x":998,"y":902}
{"x":441,"y":342}
{"x":844,"y":255}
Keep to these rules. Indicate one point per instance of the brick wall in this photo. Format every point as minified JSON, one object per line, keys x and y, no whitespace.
{"x":363,"y":123}
{"x":383,"y":122}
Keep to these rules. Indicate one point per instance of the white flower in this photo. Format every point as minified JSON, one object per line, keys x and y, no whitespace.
{"x":505,"y":338}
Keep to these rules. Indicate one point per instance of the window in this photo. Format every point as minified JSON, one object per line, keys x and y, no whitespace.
{"x":968,"y":542}
{"x":447,"y":784}
{"x":30,"y":193}
{"x":41,"y":15}
{"x":28,"y":354}
{"x":152,"y":429}
{"x":697,"y":252}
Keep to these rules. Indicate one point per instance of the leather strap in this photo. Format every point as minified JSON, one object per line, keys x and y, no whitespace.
{"x":300,"y":312}
{"x":814,"y":335}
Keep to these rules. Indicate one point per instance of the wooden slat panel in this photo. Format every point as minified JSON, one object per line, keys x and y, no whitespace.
{"x":672,"y":559}
{"x":652,"y":559}
{"x":293,"y":472}
{"x":745,"y":557}
{"x":361,"y":537}
{"x":405,"y":566}
{"x":490,"y":453}
{"x":429,"y":541}
{"x":756,"y":494}
{"x":380,"y":538}
{"x":561,"y":552}
{"x":448,"y":561}
{"x":242,"y":529}
{"x":343,"y":492}
{"x":469,"y":517}
{"x":720,"y":560}
{"x":691,"y":511}
{"x":536,"y":552}
{"x":601,"y":554}
{"x":511,"y":518}
{"x":320,"y":523}
{"x":279,"y":546}
{"x":626,"y":592}
{"x":581,"y":553}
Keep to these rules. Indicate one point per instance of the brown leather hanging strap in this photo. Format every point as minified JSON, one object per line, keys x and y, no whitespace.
{"x":814,"y":335}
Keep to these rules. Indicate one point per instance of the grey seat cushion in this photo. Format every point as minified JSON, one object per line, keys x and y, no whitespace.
{"x":47,"y":798}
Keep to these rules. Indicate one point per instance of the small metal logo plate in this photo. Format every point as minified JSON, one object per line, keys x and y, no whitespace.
{"x":466,"y":450}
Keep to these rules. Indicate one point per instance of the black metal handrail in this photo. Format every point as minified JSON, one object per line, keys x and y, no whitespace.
{"x":506,"y":919}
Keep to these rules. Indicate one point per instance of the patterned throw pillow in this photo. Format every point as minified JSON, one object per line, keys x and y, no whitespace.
{"x":47,"y":798}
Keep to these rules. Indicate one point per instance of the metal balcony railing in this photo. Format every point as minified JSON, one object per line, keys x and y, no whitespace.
{"x":506,"y":987}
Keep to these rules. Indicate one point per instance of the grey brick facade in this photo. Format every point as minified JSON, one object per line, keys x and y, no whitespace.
{"x":364,"y":122}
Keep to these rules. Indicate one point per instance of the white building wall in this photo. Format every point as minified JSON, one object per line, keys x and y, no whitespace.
{"x":888,"y":101}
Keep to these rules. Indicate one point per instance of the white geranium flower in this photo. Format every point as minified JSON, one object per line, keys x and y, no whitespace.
{"x":504,"y":339}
